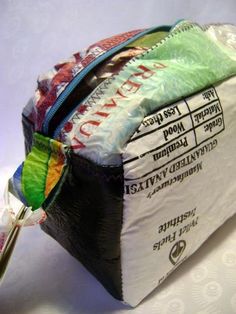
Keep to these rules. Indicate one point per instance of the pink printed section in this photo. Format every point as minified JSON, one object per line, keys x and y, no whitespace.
{"x":51,"y":85}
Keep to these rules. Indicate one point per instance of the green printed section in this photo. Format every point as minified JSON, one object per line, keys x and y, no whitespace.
{"x":149,"y":40}
{"x":185,"y":62}
{"x":35,"y":171}
{"x":38,"y":167}
{"x":192,"y":61}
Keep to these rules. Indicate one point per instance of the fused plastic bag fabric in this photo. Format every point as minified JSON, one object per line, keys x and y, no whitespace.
{"x":42,"y":169}
{"x":100,"y":211}
{"x":183,"y":63}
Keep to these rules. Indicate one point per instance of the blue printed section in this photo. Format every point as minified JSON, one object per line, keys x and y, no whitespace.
{"x":16,"y":184}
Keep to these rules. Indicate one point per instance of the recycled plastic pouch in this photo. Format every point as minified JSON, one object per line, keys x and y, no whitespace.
{"x":131,"y":151}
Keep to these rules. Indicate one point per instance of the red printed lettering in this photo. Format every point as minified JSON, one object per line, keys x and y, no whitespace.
{"x":146,"y":72}
{"x":159,"y":65}
{"x":102,"y":114}
{"x":92,"y":122}
{"x":78,"y":144}
{"x":109,"y":105}
{"x":128,"y":87}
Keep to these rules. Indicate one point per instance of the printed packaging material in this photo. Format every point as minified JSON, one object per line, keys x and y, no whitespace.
{"x":131,"y":152}
{"x":179,"y":175}
{"x":180,"y":65}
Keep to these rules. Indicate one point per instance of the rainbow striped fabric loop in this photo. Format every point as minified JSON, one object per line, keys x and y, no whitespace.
{"x":36,"y":177}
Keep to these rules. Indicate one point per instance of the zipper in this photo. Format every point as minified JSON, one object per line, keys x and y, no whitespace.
{"x":59,"y":106}
{"x":98,"y":91}
{"x":60,"y":126}
{"x":95,"y":95}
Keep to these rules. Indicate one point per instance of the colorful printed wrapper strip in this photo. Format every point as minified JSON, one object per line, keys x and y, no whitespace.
{"x":40,"y":172}
{"x":15,"y":184}
{"x":184,"y":63}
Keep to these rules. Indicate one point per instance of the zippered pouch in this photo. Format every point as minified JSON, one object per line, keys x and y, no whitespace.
{"x":130,"y":152}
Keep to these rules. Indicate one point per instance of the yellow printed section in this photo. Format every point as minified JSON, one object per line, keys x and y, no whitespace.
{"x":55,"y":167}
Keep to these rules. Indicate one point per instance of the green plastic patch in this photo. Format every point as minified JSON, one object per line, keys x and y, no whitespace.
{"x":42,"y":169}
{"x":148,"y":40}
{"x":185,"y":62}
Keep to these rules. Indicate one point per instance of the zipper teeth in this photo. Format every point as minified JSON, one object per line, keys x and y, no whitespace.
{"x":99,"y":91}
{"x":77,"y":79}
{"x":163,"y":41}
{"x":89,"y":105}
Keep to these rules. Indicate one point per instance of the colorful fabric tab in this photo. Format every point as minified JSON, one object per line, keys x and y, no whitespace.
{"x":40,"y":172}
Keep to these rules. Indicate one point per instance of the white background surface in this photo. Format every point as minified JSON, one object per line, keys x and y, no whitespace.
{"x":42,"y":277}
